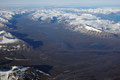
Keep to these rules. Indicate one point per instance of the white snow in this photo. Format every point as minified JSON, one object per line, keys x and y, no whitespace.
{"x":84,"y":18}
{"x":8,"y":75}
{"x":77,"y":18}
{"x":7,"y":38}
{"x":2,"y":25}
{"x":92,"y":29}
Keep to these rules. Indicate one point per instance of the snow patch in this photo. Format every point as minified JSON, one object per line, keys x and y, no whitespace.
{"x":6,"y":38}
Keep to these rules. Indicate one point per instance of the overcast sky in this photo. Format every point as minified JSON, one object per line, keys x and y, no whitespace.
{"x":59,"y":2}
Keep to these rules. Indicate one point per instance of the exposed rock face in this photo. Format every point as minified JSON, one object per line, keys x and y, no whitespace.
{"x":8,"y":42}
{"x":22,"y":73}
{"x":12,"y":73}
{"x":6,"y":38}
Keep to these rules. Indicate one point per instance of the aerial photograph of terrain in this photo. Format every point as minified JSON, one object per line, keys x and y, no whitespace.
{"x":59,"y":39}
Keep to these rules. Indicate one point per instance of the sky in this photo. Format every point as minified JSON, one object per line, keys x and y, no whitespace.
{"x":73,"y":3}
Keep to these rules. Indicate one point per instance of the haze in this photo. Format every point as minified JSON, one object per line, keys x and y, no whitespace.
{"x":70,"y":3}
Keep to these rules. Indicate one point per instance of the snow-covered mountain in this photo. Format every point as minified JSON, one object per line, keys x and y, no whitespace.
{"x":6,"y":38}
{"x":99,"y":20}
{"x":7,"y":15}
{"x":12,"y":73}
{"x":8,"y":42}
{"x":21,"y":73}
{"x":88,"y":19}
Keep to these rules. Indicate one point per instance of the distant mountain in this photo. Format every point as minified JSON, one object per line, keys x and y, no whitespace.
{"x":77,"y":19}
{"x":99,"y":20}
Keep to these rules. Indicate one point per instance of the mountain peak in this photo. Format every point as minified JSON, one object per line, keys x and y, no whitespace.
{"x":6,"y":37}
